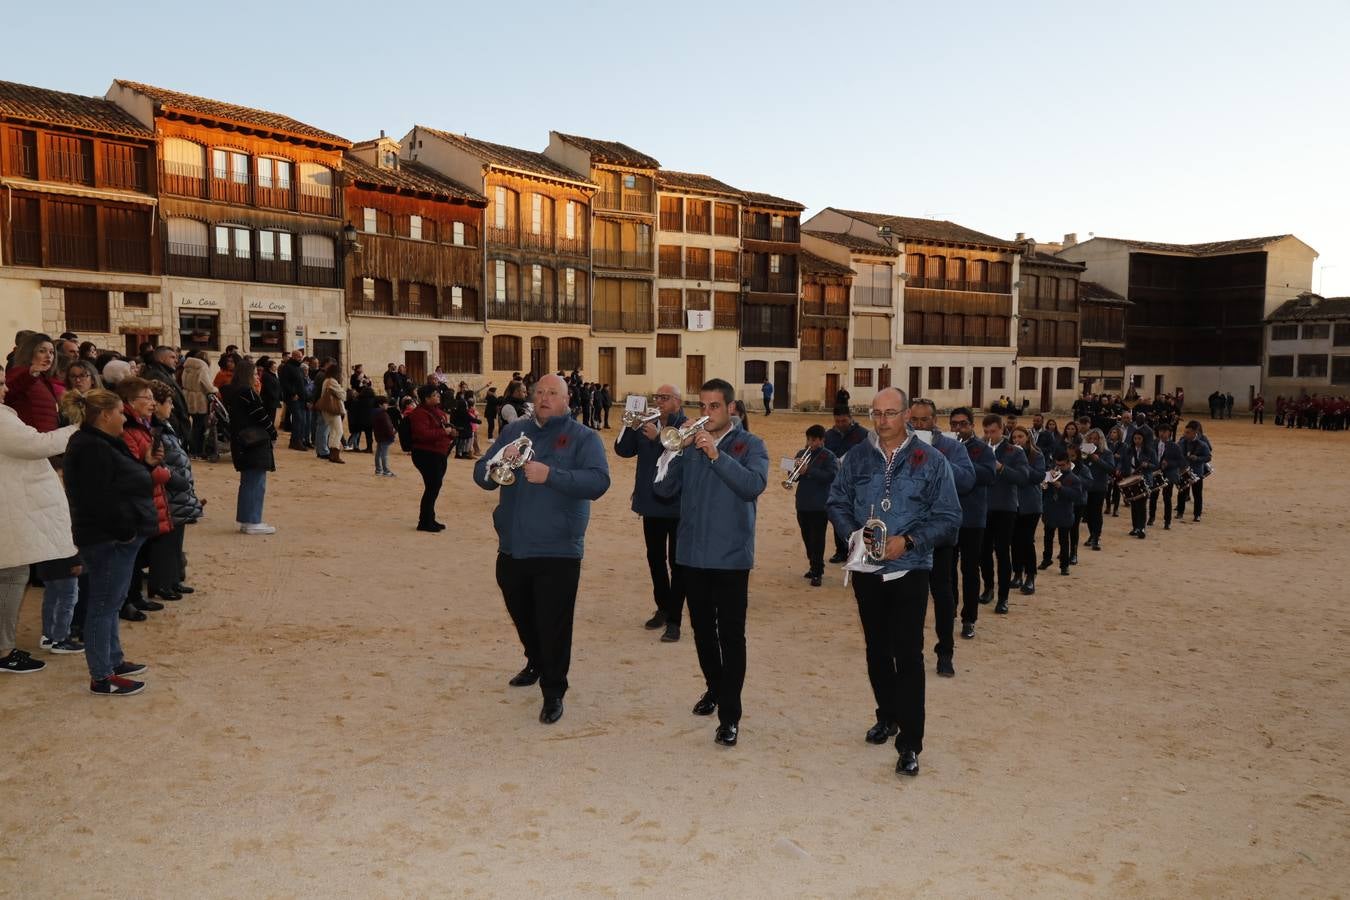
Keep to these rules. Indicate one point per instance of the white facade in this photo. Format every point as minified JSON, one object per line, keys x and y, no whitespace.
{"x":260,"y":319}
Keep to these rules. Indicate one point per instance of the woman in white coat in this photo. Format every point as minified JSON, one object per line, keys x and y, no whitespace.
{"x":35,"y":519}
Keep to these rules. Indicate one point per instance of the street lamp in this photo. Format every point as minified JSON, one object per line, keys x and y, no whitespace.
{"x":1023,"y":330}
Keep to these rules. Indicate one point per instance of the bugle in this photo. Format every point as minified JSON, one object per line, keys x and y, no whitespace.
{"x":673,"y":438}
{"x":802,"y":465}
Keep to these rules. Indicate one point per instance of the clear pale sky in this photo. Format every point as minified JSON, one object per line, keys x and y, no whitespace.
{"x":1175,"y":121}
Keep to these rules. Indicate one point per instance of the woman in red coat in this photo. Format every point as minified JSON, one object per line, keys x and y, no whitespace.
{"x":33,"y":393}
{"x":431,"y":437}
{"x":139,"y":406}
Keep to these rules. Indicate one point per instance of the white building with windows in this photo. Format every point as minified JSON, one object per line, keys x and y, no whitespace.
{"x":1307,"y":348}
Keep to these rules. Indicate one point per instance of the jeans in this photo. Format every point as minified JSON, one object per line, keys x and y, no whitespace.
{"x":892,"y":614}
{"x":299,"y":421}
{"x":321,"y":435}
{"x":58,"y":606}
{"x":109,"y":565}
{"x":252,"y":490}
{"x":718,"y":599}
{"x":382,"y":456}
{"x":431,"y":466}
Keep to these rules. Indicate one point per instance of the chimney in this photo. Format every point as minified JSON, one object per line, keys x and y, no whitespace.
{"x":1070,"y":239}
{"x":1021,"y":236}
{"x":381,"y":132}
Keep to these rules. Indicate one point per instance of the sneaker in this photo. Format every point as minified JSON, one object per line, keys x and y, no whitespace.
{"x":66,"y":646}
{"x":124,"y":668}
{"x":968,"y":630}
{"x":114,"y":684}
{"x":45,"y":643}
{"x":259,"y":528}
{"x":20,"y":662}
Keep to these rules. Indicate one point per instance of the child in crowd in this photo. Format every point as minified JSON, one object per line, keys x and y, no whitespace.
{"x":385,"y":435}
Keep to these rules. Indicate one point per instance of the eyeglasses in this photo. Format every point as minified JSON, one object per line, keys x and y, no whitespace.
{"x":957,"y":423}
{"x":878,"y":414}
{"x":662,"y":398}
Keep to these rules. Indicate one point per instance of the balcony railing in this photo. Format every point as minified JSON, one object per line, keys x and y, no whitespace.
{"x":671,"y":221}
{"x":670,"y":317}
{"x":124,"y":255}
{"x":538,"y":309}
{"x":27,"y":247}
{"x":73,"y":168}
{"x":508,"y":308}
{"x":950,"y":284}
{"x":316,"y":199}
{"x":126,"y":174}
{"x":318,"y":272}
{"x":725,"y":319}
{"x":624,"y":201}
{"x":573,"y":246}
{"x":670,"y":268}
{"x":246,"y":188}
{"x":698,"y":225}
{"x":622,"y":259}
{"x":72,"y":251}
{"x":506,"y":237}
{"x":24,"y":160}
{"x":790,"y":234}
{"x":836,"y":309}
{"x":196,"y":261}
{"x":871,"y":348}
{"x":185,"y":181}
{"x":774,"y":284}
{"x":630,"y":320}
{"x":768,"y":338}
{"x":230,"y":187}
{"x":725,"y":227}
{"x":541,"y":241}
{"x":723,"y":272}
{"x":698,"y":271}
{"x":574,"y":313}
{"x":374,"y":306}
{"x":881,"y":298}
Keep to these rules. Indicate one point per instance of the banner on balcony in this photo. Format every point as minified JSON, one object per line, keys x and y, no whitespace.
{"x":700,"y":319}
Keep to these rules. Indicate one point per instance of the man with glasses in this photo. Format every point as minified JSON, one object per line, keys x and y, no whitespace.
{"x":903,"y":482}
{"x":162,"y":365}
{"x":1011,"y":471}
{"x":843,"y":437}
{"x":974,"y":511}
{"x":660,"y":516}
{"x":718,"y":476}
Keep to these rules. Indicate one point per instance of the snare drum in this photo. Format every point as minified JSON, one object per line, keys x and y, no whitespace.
{"x":1133,"y":488}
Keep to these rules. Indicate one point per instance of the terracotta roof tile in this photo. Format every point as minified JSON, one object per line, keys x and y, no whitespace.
{"x":755,"y":198}
{"x":22,"y":101}
{"x":1237,"y":245}
{"x":611,"y":152}
{"x":694,"y":183}
{"x":909,"y":228}
{"x":1311,"y":306}
{"x":230,"y":112}
{"x":1092,"y":290}
{"x":819,"y":265}
{"x":1040,"y":258}
{"x":508,"y":157}
{"x":410,"y":176}
{"x":854,"y":243}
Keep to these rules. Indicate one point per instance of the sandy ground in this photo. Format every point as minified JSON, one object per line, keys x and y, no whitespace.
{"x":328,"y":717}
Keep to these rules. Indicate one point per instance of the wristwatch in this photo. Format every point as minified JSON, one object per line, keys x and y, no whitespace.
{"x":909,"y":543}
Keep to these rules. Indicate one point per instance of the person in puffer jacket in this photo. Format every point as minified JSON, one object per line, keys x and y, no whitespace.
{"x":139,"y":408}
{"x":168,"y":565}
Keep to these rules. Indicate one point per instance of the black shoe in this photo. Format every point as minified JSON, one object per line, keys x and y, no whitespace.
{"x":552,"y":711}
{"x":1002,"y":606}
{"x":1064,"y":570}
{"x":908,"y":764}
{"x":1196,"y":519}
{"x":1149,"y":523}
{"x":147,"y":605}
{"x":1073,"y":560}
{"x":987,"y":596}
{"x":183,"y":589}
{"x":881,"y":732}
{"x":1045,"y":563}
{"x":656,"y":621}
{"x":945,"y":667}
{"x":727,"y":734}
{"x":130,"y":613}
{"x":429,"y":528}
{"x":706,"y":705}
{"x":126,"y":669}
{"x":808,"y":574}
{"x":967,"y":630}
{"x":1029,"y":588}
{"x":1167,"y":526}
{"x":815,"y":581}
{"x":1115,"y":513}
{"x":20,"y":662}
{"x":167,"y":595}
{"x":1141,"y":535}
{"x":1016,"y":582}
{"x":524,"y":678}
{"x":671,"y":635}
{"x":1134,"y":532}
{"x":439,"y":526}
{"x":1095,"y":545}
{"x":837,"y":559}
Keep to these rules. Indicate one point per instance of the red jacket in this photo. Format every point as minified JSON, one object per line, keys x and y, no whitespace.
{"x":383,"y":428}
{"x":138,"y":438}
{"x":428,"y":429}
{"x":34,"y":397}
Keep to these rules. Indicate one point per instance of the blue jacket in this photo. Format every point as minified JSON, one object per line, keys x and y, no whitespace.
{"x":1197,"y":453}
{"x":840,"y":444}
{"x":1007,"y":481}
{"x":923,"y":498}
{"x":549,"y":519}
{"x":975,"y":505}
{"x":717,"y":501}
{"x":1171,"y":461}
{"x":1142,"y":463}
{"x":1100,"y":470}
{"x":1058,"y":503}
{"x":1029,"y":494}
{"x":813,"y":488}
{"x":963,"y":474}
{"x":1046,"y":442}
{"x":633,"y":443}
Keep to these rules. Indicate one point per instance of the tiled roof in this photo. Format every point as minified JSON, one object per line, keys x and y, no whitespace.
{"x":612,"y":152}
{"x":854,"y":243}
{"x":819,"y":265}
{"x":35,"y":104}
{"x":230,"y":112}
{"x":410,"y":176}
{"x":755,"y":198}
{"x":694,"y":182}
{"x":909,"y":228}
{"x":1311,"y":306}
{"x":1237,"y":245}
{"x":1092,"y":290}
{"x":1040,"y":258}
{"x":508,"y":157}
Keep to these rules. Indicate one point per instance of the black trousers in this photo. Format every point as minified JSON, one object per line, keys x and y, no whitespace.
{"x":1064,"y":544}
{"x":1078,"y":513}
{"x":892,"y":614}
{"x":431,"y":466}
{"x":1166,"y":504}
{"x":942,"y":585}
{"x":1113,"y":498}
{"x":718,"y":599}
{"x":1197,"y":491}
{"x":667,"y":577}
{"x":1094,"y":514}
{"x":1024,"y":544}
{"x":966,"y":554}
{"x":1139,"y":515}
{"x":998,"y":534}
{"x":541,"y":596}
{"x":840,"y":542}
{"x":813,"y":525}
{"x":166,"y":560}
{"x":1258,"y":417}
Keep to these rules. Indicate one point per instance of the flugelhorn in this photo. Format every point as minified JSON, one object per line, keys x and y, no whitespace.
{"x":503,"y":471}
{"x":874,"y":538}
{"x":803,"y":464}
{"x":673,"y":438}
{"x":634,"y":420}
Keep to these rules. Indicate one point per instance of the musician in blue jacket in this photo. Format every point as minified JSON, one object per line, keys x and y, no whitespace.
{"x":1010,"y":473}
{"x":1028,"y":513}
{"x":1101,"y":466}
{"x":660,"y":516}
{"x":1198,"y":452}
{"x":814,"y":478}
{"x":1139,"y":459}
{"x":903,"y":482}
{"x":845,"y":434}
{"x":1058,"y":500}
{"x":974,"y":512}
{"x":541,"y":521}
{"x":718,"y":477}
{"x":1171,"y":463}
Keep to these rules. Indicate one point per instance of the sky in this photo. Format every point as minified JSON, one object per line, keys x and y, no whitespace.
{"x":1181,"y":121}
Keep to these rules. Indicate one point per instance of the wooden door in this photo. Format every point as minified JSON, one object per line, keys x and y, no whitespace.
{"x":1047,"y":389}
{"x":136,"y":338}
{"x":915,"y":382}
{"x":782,"y":384}
{"x":693,"y":374}
{"x":1157,"y":385}
{"x":608,"y":371}
{"x":416,"y":363}
{"x":883,"y":378}
{"x":831,"y":389}
{"x":977,"y":387}
{"x":539,"y":358}
{"x":325,"y":350}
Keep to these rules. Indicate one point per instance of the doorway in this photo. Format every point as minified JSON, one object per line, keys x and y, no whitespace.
{"x":324,"y":350}
{"x":136,"y":338}
{"x":831,"y":389}
{"x":1157,"y":385}
{"x":915,"y":382}
{"x":782,"y":384}
{"x":977,"y":387}
{"x":416,"y":363}
{"x":539,"y":358}
{"x":1047,"y":389}
{"x":693,"y":374}
{"x":883,"y":378}
{"x":608,"y":372}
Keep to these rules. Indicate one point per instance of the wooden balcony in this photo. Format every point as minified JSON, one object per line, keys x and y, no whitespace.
{"x":698,"y":271}
{"x":671,"y":221}
{"x":730,"y":272}
{"x":625,"y":201}
{"x":622,"y":259}
{"x":196,"y":261}
{"x":626,"y":320}
{"x":72,"y":168}
{"x":671,"y":268}
{"x":948,"y":284}
{"x":698,"y":225}
{"x":503,"y":237}
{"x":786,"y":233}
{"x":72,"y":251}
{"x":126,"y":255}
{"x":541,"y":241}
{"x":871,"y":348}
{"x":780,"y":283}
{"x":27,"y":247}
{"x":246,"y":189}
{"x":670,"y":317}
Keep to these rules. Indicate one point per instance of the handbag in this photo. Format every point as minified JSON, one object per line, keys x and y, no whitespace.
{"x":329,"y":404}
{"x":252,"y":437}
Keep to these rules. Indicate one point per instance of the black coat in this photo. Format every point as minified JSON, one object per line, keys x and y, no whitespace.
{"x":111,"y":492}
{"x":182,"y":422}
{"x":246,"y":408}
{"x":292,"y":378}
{"x":271,"y":389}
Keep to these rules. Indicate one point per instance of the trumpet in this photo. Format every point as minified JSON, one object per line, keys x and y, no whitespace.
{"x":802,"y":465}
{"x":874,"y":538}
{"x":673,"y":438}
{"x":503,"y":471}
{"x":634,"y":420}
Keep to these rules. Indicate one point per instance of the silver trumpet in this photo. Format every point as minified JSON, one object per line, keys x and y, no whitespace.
{"x":802,"y":465}
{"x":874,"y":538}
{"x":673,"y":438}
{"x":503,"y":471}
{"x":634,"y":420}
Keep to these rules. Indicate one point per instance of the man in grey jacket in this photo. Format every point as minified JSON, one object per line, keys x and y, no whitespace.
{"x":718,"y":477}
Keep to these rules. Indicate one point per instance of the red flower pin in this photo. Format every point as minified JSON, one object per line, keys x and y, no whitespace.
{"x":561,"y":442}
{"x":974,"y":451}
{"x":738,"y":448}
{"x":917,"y":457}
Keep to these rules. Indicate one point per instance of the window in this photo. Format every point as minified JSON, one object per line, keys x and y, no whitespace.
{"x":956,"y":378}
{"x":232,"y":240}
{"x":1340,"y":370}
{"x":630,"y":182}
{"x":499,"y":283}
{"x":1064,"y":378}
{"x":670,"y":261}
{"x":87,"y":310}
{"x":368,"y":220}
{"x":457,"y":300}
{"x":635,"y":361}
{"x":569,"y":353}
{"x":1318,"y":331}
{"x":775,"y":263}
{"x":460,"y":355}
{"x":698,"y":264}
{"x":198,"y":331}
{"x":499,"y":210}
{"x":1312,"y":365}
{"x":883,"y":377}
{"x":698,"y":219}
{"x":506,"y":353}
{"x":536,"y":214}
{"x":776,"y":223}
{"x":136,"y":299}
{"x":230,"y":166}
{"x":669,"y":309}
{"x":266,"y":334}
{"x":1280,"y":367}
{"x":862,"y":377}
{"x":570,"y":223}
{"x":672,"y":213}
{"x":756,"y":371}
{"x":667,"y":346}
{"x":274,"y":173}
{"x":274,"y":245}
{"x":415,"y":227}
{"x":457,"y":234}
{"x":1026,"y":378}
{"x":935,"y":378}
{"x":1284,"y":332}
{"x":724,"y":221}
{"x":724,"y":308}
{"x":996,"y":378}
{"x":696,"y":300}
{"x":316,"y":251}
